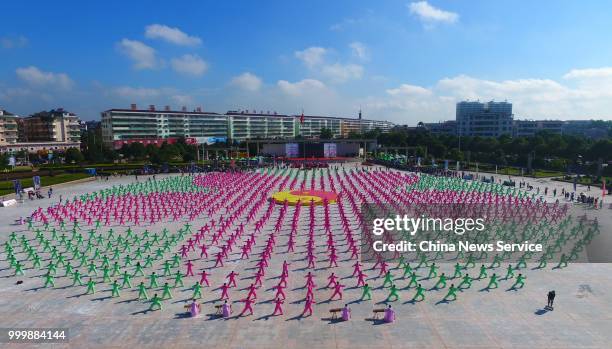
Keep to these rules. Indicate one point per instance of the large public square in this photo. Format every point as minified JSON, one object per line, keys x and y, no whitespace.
{"x":233,"y":215}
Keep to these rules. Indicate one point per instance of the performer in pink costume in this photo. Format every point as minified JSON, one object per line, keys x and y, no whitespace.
{"x":283,"y":280}
{"x":356,"y":268}
{"x":383,"y":268}
{"x":204,"y":278}
{"x":333,"y":260}
{"x":203,"y":251}
{"x":285,"y":268}
{"x":245,"y":252}
{"x":361,"y":279}
{"x":279,"y":292}
{"x":308,"y":306}
{"x":309,"y":280}
{"x":332,"y":280}
{"x":311,"y":259}
{"x":337,"y":291}
{"x":278,"y":307}
{"x":189,"y":268}
{"x":309,"y":292}
{"x":291,"y":244}
{"x":219,"y":259}
{"x":248,"y":306}
{"x":252,"y":292}
{"x":258,"y":276}
{"x":232,"y":279}
{"x":224,"y":291}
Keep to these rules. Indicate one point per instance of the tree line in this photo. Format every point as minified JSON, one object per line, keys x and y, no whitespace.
{"x":547,"y":150}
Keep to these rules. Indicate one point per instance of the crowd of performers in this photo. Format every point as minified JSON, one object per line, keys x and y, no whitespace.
{"x":116,"y":240}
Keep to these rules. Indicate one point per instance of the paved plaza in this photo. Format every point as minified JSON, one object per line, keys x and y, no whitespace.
{"x":479,"y":318}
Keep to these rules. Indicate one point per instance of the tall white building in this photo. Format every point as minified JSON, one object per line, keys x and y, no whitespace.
{"x":490,"y":119}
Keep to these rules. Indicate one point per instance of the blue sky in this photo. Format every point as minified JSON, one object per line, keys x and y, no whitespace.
{"x":404,"y":61}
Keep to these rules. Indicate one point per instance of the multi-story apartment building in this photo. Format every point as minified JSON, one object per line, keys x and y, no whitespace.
{"x":348,"y":126}
{"x":595,"y":129}
{"x":129,"y":124}
{"x":150,"y":125}
{"x":8,"y":128}
{"x":56,"y":125}
{"x":311,"y":126}
{"x":528,"y":128}
{"x":45,"y":131}
{"x":490,"y":119}
{"x":245,"y":125}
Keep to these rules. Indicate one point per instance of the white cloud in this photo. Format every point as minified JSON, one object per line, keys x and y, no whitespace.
{"x":156,"y":96}
{"x":182,"y":100}
{"x":429,"y":14}
{"x":341,"y":73}
{"x":589,"y":73}
{"x":12,"y":93}
{"x":526,"y":90}
{"x":13,"y":42}
{"x":247,"y":81}
{"x":343,"y":24}
{"x":360,"y":50}
{"x":301,"y":87}
{"x":172,"y":35}
{"x":312,"y":56}
{"x":587,"y":94}
{"x":36,"y":77}
{"x":409,"y":90}
{"x":189,"y":65}
{"x":139,"y":93}
{"x":142,"y":55}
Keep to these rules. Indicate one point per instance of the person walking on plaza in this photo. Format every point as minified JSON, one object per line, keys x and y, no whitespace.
{"x":551,"y":299}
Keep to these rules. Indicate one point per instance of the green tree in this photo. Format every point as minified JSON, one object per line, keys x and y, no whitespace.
{"x":137,"y":151}
{"x":326,"y":133}
{"x":167,"y":153}
{"x":151,"y":150}
{"x":73,"y":155}
{"x":4,"y":160}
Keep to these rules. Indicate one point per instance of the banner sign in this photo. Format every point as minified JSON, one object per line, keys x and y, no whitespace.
{"x":292,"y":150}
{"x":330,"y":150}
